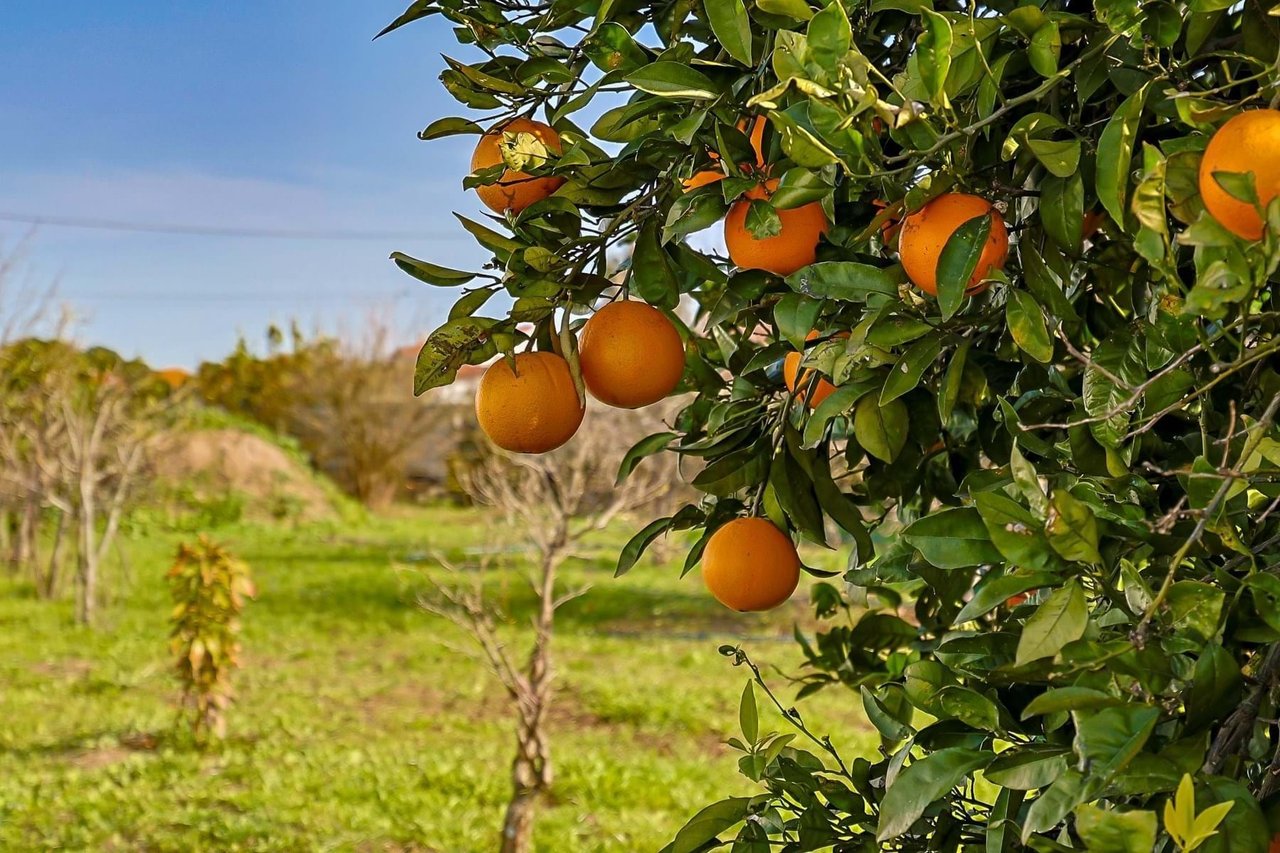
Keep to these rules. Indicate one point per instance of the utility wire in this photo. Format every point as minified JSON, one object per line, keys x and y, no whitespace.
{"x":216,"y":231}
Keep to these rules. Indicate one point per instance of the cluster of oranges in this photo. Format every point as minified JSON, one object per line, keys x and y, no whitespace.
{"x":631,"y":355}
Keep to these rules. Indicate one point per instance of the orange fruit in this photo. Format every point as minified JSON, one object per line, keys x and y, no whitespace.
{"x":1275,"y":844}
{"x":888,"y":228}
{"x":1248,"y":142}
{"x":1014,"y":600}
{"x":531,"y":410}
{"x":1092,"y":222}
{"x":924,"y":233}
{"x":796,"y":379}
{"x":631,"y":354}
{"x":749,"y":565}
{"x":174,"y":377}
{"x":515,"y":190}
{"x":701,"y":179}
{"x":795,"y":246}
{"x":711,"y":176}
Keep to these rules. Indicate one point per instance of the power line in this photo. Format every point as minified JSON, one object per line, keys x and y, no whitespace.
{"x":139,"y":296}
{"x":218,"y":231}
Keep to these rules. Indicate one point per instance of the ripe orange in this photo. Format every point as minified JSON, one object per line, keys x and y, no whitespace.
{"x":925,"y":232}
{"x":631,"y":354}
{"x":1014,"y":600}
{"x":1275,"y":844}
{"x":701,"y":179}
{"x":749,"y":565}
{"x":1248,"y":142}
{"x":711,"y":176}
{"x":1092,"y":222}
{"x":174,"y":377}
{"x":532,"y":410}
{"x":795,"y":246}
{"x":889,"y":228}
{"x":515,"y":190}
{"x":795,"y":379}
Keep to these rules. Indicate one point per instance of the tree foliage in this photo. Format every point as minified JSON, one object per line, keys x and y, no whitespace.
{"x":210,"y":588}
{"x":1094,"y":433}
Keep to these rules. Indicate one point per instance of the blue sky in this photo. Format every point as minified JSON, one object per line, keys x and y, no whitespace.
{"x":271,"y":114}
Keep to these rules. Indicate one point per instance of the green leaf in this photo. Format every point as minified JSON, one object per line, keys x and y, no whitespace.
{"x":843,"y":280}
{"x":906,"y":374}
{"x":1115,"y":152}
{"x":762,"y":220}
{"x":692,"y":212}
{"x":797,"y":187}
{"x":731,"y":27}
{"x":1106,"y":831}
{"x":1196,"y":608}
{"x":890,"y":728}
{"x":1046,"y":46}
{"x":1054,"y":804}
{"x":796,"y":315}
{"x":1215,"y":687}
{"x":1072,"y":528}
{"x":637,"y":544}
{"x":672,"y":80}
{"x":418,"y":9}
{"x":953,"y":381}
{"x":447,"y":349}
{"x":995,"y":591}
{"x":502,"y":246}
{"x":1116,"y":358}
{"x":952,"y":539}
{"x":1014,"y":531}
{"x":1062,"y":211}
{"x":1027,"y":326}
{"x":450,"y":126}
{"x":429,"y":272}
{"x":1109,"y":738}
{"x":933,"y":53}
{"x":1027,"y":768}
{"x":1061,"y":619}
{"x":1060,"y":157}
{"x":748,"y":717}
{"x":922,"y":783}
{"x":797,"y":9}
{"x":958,"y":261}
{"x":651,"y":276}
{"x":709,"y":823}
{"x":881,"y":429}
{"x":829,"y":37}
{"x":1062,"y":699}
{"x":645,"y":447}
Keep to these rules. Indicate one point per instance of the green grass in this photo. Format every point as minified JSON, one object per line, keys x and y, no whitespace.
{"x":361,"y":724}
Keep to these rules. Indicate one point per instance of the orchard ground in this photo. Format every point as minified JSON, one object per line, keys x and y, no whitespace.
{"x":361,"y":723}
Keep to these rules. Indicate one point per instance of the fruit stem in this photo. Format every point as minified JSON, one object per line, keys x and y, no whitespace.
{"x":569,"y":346}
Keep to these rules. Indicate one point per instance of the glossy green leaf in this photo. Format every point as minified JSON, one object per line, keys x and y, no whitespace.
{"x":1061,"y":619}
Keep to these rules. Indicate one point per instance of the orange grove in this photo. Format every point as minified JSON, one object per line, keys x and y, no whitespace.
{"x":631,"y":354}
{"x":532,"y":409}
{"x":514,"y":190}
{"x":924,"y":234}
{"x":750,"y":565}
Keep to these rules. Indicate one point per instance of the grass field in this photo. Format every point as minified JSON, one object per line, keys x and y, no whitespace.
{"x":362,"y":724}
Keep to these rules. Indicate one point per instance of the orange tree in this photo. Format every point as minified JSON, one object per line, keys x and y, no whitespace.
{"x":1048,"y":323}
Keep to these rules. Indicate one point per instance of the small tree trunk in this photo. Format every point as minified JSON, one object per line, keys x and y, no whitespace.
{"x":47,"y":584}
{"x":87,"y":552}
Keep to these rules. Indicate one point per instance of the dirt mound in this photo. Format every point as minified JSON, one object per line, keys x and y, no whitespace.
{"x":221,"y":461}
